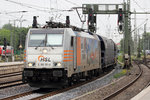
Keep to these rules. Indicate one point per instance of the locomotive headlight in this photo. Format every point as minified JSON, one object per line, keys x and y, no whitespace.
{"x":59,"y":64}
{"x":30,"y":64}
{"x":44,"y":51}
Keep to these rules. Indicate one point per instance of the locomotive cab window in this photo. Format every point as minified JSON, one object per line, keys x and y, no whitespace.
{"x":37,"y":40}
{"x":54,"y":39}
{"x":45,"y":40}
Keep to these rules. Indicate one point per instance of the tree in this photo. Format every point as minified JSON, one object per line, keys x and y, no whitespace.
{"x":4,"y":33}
{"x":19,"y":35}
{"x":8,"y":27}
{"x":131,"y":44}
{"x":145,"y":41}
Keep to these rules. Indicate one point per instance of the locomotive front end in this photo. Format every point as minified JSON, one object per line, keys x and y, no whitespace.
{"x":43,"y":60}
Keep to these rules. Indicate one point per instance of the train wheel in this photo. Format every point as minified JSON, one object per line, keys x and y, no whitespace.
{"x":103,"y":70}
{"x":90,"y":74}
{"x":78,"y":79}
{"x":97,"y":72}
{"x":86,"y":78}
{"x":70,"y":81}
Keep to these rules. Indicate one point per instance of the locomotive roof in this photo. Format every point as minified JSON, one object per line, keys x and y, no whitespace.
{"x":48,"y":30}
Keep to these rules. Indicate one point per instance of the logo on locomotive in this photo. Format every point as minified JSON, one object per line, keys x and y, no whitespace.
{"x":43,"y":59}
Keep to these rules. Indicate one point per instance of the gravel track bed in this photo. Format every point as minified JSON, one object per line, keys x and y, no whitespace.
{"x":85,"y":88}
{"x":7,"y":92}
{"x":137,"y":87}
{"x":28,"y":97}
{"x":11,"y":69}
{"x":100,"y":93}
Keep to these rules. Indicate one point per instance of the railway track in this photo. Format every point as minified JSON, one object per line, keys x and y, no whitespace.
{"x":115,"y":93}
{"x":35,"y":95}
{"x":11,"y":64}
{"x":148,"y":66}
{"x":11,"y":82}
{"x":10,"y":74}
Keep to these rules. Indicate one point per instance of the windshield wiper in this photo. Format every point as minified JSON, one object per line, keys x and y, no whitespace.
{"x":49,"y":45}
{"x":40,"y":44}
{"x":46,"y":43}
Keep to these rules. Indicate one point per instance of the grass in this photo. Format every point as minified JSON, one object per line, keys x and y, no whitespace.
{"x":120,"y":58}
{"x":19,"y":57}
{"x":122,"y":73}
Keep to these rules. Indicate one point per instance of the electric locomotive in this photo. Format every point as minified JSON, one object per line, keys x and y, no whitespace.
{"x":60,"y":56}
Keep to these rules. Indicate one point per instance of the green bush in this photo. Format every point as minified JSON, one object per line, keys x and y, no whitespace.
{"x":122,"y":73}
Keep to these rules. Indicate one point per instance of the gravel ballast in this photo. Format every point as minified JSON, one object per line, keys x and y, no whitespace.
{"x":85,"y":88}
{"x":7,"y":92}
{"x":100,"y":93}
{"x":66,"y":95}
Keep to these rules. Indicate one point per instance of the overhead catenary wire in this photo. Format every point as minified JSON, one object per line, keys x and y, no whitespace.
{"x":44,"y":9}
{"x":139,"y":25}
{"x":27,"y":5}
{"x":139,"y":5}
{"x":69,"y":1}
{"x":12,"y":12}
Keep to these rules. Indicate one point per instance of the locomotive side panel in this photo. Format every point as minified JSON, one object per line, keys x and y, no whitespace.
{"x":69,"y":52}
{"x":85,"y":51}
{"x":89,"y":49}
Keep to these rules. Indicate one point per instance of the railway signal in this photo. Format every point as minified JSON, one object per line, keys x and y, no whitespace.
{"x":5,"y":44}
{"x":90,"y":15}
{"x":91,"y":20}
{"x":94,"y":19}
{"x":120,"y":21}
{"x":120,"y":28}
{"x":120,"y":15}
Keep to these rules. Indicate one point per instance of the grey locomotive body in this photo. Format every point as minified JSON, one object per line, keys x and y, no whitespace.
{"x":60,"y":56}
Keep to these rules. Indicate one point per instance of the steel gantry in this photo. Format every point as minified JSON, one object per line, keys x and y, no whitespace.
{"x":125,"y":24}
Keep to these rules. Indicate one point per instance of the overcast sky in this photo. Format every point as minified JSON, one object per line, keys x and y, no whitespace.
{"x":46,"y":9}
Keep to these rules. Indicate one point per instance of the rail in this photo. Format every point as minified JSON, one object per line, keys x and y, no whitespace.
{"x":11,"y":74}
{"x":52,"y":92}
{"x":8,"y":64}
{"x":19,"y":95}
{"x":148,"y":68}
{"x":10,"y":83}
{"x":126,"y":86}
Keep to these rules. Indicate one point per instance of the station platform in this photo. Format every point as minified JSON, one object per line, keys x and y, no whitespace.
{"x":143,"y":95}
